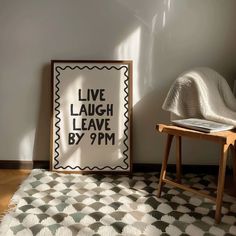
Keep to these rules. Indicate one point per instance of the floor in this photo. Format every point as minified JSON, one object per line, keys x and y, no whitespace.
{"x":11,"y":179}
{"x":9,"y":183}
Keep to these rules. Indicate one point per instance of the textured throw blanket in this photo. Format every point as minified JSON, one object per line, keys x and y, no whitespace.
{"x":202,"y":93}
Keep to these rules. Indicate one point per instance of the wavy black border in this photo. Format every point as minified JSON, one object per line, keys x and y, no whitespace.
{"x":57,"y":116}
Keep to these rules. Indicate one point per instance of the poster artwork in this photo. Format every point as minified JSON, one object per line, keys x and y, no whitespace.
{"x":91,"y":116}
{"x":95,"y":108}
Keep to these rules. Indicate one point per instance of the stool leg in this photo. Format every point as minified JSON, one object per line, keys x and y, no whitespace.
{"x":221,"y":182}
{"x":234,"y":163}
{"x":178,"y":158}
{"x":164,"y":163}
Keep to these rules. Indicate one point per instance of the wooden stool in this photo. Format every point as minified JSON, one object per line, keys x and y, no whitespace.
{"x":225,"y":138}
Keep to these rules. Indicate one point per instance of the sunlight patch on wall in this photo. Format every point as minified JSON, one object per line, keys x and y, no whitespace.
{"x":169,"y":4}
{"x":164,"y":19}
{"x":149,"y":65}
{"x":129,"y":49}
{"x":26,"y":146}
{"x":166,"y":9}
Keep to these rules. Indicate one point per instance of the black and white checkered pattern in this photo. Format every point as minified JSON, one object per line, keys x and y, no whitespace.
{"x":61,"y":204}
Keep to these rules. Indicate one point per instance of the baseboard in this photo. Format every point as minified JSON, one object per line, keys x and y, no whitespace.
{"x":208,"y":169}
{"x":137,"y":167}
{"x":28,"y":165}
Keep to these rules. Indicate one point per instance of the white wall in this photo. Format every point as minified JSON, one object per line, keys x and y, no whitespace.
{"x":162,"y":37}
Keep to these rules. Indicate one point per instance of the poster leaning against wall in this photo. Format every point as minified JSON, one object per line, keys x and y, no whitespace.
{"x":91,"y":120}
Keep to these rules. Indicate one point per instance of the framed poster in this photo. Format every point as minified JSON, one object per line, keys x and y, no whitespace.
{"x":91,"y":120}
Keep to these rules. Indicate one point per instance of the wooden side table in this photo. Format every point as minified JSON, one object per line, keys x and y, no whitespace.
{"x":226,"y":139}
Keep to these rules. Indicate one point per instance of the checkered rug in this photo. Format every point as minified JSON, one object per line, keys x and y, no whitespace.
{"x":50,"y":203}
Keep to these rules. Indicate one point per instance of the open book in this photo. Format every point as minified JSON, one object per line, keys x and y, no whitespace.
{"x":207,"y":126}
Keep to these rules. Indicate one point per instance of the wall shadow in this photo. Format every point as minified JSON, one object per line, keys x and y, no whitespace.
{"x":41,"y":150}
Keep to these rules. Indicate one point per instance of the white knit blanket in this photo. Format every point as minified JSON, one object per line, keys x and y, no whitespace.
{"x":202,"y":93}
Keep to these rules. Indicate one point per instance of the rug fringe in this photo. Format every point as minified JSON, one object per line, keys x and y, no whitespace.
{"x":10,"y":209}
